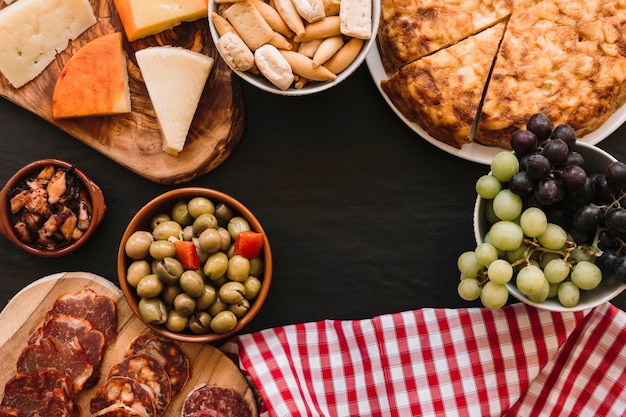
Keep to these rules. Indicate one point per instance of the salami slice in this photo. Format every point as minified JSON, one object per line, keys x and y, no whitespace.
{"x":8,"y":411}
{"x":126,"y":391}
{"x":31,"y":402}
{"x":117,"y":410}
{"x":223,"y":402}
{"x":99,"y":310}
{"x":50,"y":352}
{"x":147,"y":370}
{"x":76,"y":330}
{"x":43,"y":379}
{"x":168,"y":354}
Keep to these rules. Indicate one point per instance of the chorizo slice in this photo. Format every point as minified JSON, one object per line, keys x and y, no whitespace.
{"x":148,"y":371}
{"x":99,"y":310}
{"x":223,"y":402}
{"x":126,"y":391}
{"x":50,"y":352}
{"x":168,"y":354}
{"x":8,"y":411}
{"x":32,"y":402}
{"x":43,"y":379}
{"x":76,"y":330}
{"x":117,"y":410}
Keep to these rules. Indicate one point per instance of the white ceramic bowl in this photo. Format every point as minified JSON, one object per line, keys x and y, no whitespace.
{"x":314,"y":86}
{"x":595,"y":160}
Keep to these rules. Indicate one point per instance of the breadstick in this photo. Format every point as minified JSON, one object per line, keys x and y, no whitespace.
{"x":249,"y":24}
{"x":235,"y":52}
{"x":280,"y":42}
{"x":303,"y":66}
{"x":356,"y":18}
{"x":345,"y":56}
{"x":222,"y":25}
{"x":227,"y":1}
{"x":310,"y":10}
{"x":272,"y":17}
{"x":300,"y":82}
{"x":290,"y":15}
{"x":327,"y":49}
{"x":331,"y":7}
{"x":327,"y":27}
{"x":273,"y":66}
{"x":308,"y":48}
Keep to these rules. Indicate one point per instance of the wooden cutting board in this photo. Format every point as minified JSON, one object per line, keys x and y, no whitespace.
{"x":134,"y":140}
{"x":26,"y":312}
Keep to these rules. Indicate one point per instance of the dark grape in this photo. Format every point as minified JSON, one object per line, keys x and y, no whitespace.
{"x":616,"y":175}
{"x":540,"y":125}
{"x":566,"y":133}
{"x":620,"y":268}
{"x":549,"y":190}
{"x":587,"y":217}
{"x":524,"y":142}
{"x":582,"y":237}
{"x":584,"y":194}
{"x":615,"y":221}
{"x":606,"y":240}
{"x":556,"y":151}
{"x":538,"y":166}
{"x":575,"y":158}
{"x":607,"y":262}
{"x":603,"y":193}
{"x":573,"y":177}
{"x":521,"y":184}
{"x":559,"y":214}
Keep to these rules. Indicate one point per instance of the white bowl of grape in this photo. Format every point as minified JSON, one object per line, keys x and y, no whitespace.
{"x":549,"y":223}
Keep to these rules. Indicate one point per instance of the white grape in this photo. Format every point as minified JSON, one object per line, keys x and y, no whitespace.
{"x":556,"y":271}
{"x":553,"y":238}
{"x":545,"y":257}
{"x":500,"y":271}
{"x":568,"y":294}
{"x":506,"y":235}
{"x":542,"y":295}
{"x":469,"y":289}
{"x":486,"y":253}
{"x":533,"y":222}
{"x":488,"y":186}
{"x":468,"y":264}
{"x":507,"y":205}
{"x":494,"y":295}
{"x":530,"y":280}
{"x":517,"y":254}
{"x":504,"y":165}
{"x":586,"y":275}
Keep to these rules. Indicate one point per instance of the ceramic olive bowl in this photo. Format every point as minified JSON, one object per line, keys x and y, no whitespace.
{"x":54,"y":245}
{"x":596,"y":160}
{"x":160,"y":302}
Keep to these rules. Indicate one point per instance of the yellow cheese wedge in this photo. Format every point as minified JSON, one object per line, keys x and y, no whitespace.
{"x":94,"y":82}
{"x":175,"y":78}
{"x":34,"y":31}
{"x":142,"y":18}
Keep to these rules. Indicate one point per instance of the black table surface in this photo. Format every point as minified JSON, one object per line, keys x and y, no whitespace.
{"x":364,"y":217}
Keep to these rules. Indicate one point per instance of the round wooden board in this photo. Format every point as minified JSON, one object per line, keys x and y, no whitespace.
{"x":27,"y":310}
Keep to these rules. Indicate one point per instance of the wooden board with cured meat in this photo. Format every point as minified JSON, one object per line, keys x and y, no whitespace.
{"x":134,"y":139}
{"x":26,"y":312}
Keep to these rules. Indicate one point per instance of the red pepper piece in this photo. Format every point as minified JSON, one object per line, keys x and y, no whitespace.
{"x":187,"y":255}
{"x":248,"y":244}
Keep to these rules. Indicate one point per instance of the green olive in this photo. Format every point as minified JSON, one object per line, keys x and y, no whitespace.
{"x":184,"y":304}
{"x":161,"y":249}
{"x":226,"y":239}
{"x":207,"y":298}
{"x":180,"y":213}
{"x":237,"y":224}
{"x":224,"y":213}
{"x":238,"y":268}
{"x":176,"y":322}
{"x":169,"y":270}
{"x":192,"y":283}
{"x":240,"y":308}
{"x":210,"y":240}
{"x":257,"y":266}
{"x":152,"y":310}
{"x":232,"y":292}
{"x":215,"y":266}
{"x":203,"y":222}
{"x":159,"y":218}
{"x":167,"y":229}
{"x":169,"y":294}
{"x":136,"y":271}
{"x":200,"y":205}
{"x":138,"y":244}
{"x":253,"y":286}
{"x":188,"y":232}
{"x":149,"y":286}
{"x":224,"y":322}
{"x":200,"y":323}
{"x":217,"y":307}
{"x":220,"y":281}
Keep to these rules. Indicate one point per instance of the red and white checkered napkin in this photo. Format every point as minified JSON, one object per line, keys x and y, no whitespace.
{"x":443,"y":362}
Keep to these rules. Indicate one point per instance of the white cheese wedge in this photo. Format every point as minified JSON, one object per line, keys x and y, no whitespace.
{"x":175,"y":78}
{"x":142,"y":18}
{"x":32,"y":32}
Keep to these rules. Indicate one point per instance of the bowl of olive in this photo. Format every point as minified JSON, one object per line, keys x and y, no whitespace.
{"x":195,"y":265}
{"x":50,"y":208}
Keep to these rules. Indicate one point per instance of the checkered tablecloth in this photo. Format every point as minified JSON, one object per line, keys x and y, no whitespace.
{"x":516,"y":361}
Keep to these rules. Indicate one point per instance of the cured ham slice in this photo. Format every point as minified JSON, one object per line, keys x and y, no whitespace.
{"x":50,"y":352}
{"x":126,"y":391}
{"x":8,"y":411}
{"x":100,"y":311}
{"x":209,"y":400}
{"x":76,"y":330}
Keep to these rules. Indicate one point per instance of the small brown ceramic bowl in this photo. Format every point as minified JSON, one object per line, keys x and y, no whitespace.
{"x":56,"y":246}
{"x":130,"y":279}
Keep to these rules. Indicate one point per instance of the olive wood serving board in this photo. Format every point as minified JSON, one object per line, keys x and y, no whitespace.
{"x":134,"y":139}
{"x":26,"y":312}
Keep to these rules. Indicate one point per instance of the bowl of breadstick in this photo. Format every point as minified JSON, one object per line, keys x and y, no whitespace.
{"x":294,"y":47}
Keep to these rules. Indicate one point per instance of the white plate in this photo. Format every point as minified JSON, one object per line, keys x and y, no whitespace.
{"x":474,"y":151}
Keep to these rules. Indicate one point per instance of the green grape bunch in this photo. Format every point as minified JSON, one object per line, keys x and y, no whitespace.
{"x":554,"y":229}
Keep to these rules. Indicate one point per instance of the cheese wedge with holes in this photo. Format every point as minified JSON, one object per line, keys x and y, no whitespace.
{"x":175,"y":78}
{"x":34,"y":31}
{"x":94,"y":82}
{"x":142,"y":18}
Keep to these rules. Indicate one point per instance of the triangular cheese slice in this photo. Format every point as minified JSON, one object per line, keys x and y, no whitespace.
{"x":175,"y":78}
{"x":94,"y":81}
{"x":442,"y":91}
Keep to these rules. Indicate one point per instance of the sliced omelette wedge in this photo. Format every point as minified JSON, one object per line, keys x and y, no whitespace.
{"x":175,"y":78}
{"x":442,"y":91}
